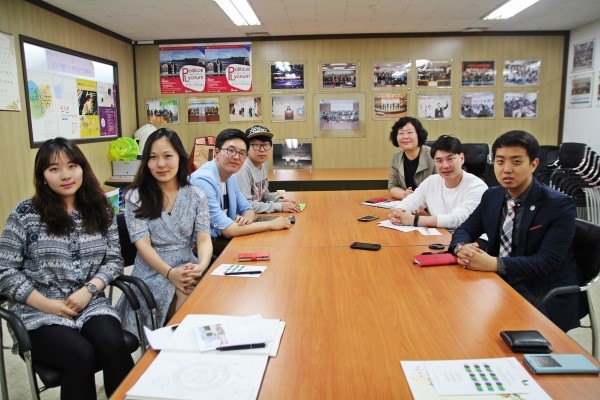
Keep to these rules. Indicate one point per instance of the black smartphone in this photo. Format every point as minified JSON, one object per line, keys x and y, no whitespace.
{"x":437,"y":246}
{"x":368,"y":218}
{"x":365,"y":246}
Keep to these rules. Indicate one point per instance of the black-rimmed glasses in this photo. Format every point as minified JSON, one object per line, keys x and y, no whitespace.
{"x":261,"y":146}
{"x":231,"y":151}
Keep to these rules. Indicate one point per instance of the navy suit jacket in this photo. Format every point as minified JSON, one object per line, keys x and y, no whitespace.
{"x":544,"y":258}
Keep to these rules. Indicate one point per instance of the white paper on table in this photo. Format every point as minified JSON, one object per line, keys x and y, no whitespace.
{"x":402,"y":228}
{"x":422,"y":388}
{"x":232,"y":332}
{"x":429,"y":231}
{"x":221,"y":269}
{"x":158,"y":338}
{"x":185,"y":337}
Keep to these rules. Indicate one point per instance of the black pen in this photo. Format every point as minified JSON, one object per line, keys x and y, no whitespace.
{"x":243,"y":272}
{"x":242,"y":347}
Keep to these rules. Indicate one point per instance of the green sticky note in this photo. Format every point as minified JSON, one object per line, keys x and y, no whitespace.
{"x":302,"y":206}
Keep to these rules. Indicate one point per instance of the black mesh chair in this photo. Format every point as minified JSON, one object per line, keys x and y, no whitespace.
{"x":476,"y":158}
{"x":129,"y":252}
{"x":587,"y":254}
{"x":49,"y":376}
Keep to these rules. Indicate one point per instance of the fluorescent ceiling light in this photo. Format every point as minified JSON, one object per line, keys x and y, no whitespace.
{"x":239,"y":11}
{"x":510,"y":9}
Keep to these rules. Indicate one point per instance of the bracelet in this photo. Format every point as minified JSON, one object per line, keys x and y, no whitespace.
{"x":169,"y":273}
{"x":416,"y":221}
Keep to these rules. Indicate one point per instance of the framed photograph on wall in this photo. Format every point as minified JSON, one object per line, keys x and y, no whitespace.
{"x":339,"y":115}
{"x":434,"y":72}
{"x":162,"y":111}
{"x":520,"y":105}
{"x":202,"y":109}
{"x":390,"y":74}
{"x":478,"y":73}
{"x":390,"y":105}
{"x":522,"y":72}
{"x":580,"y":91}
{"x":477,"y":105}
{"x":287,"y":108}
{"x":292,"y":154}
{"x":583,"y":56}
{"x":339,"y":75}
{"x":286,"y":76}
{"x":434,"y":105}
{"x":245,"y":109}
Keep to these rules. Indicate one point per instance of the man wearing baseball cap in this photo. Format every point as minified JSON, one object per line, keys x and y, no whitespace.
{"x":252,"y":177}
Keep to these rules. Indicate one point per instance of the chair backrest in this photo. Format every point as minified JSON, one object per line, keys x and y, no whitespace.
{"x":128,"y":249}
{"x":587,"y":249}
{"x":571,"y":155}
{"x":476,"y":157}
{"x":548,"y":154}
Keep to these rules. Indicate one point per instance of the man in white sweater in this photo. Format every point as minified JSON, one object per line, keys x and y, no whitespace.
{"x":252,"y":177}
{"x":449,"y":196}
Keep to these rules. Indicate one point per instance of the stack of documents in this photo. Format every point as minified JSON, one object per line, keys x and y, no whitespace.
{"x":211,"y":356}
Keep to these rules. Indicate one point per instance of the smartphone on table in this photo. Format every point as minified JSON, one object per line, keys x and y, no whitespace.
{"x":365,"y":246}
{"x":368,"y":218}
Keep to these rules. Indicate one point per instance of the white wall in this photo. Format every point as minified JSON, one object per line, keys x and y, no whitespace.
{"x":583,"y":124}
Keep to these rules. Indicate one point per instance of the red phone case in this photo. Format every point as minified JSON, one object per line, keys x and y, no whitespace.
{"x":432,"y":260}
{"x":264,"y":256}
{"x":376,"y":200}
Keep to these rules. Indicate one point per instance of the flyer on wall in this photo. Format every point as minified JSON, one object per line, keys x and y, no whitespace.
{"x":206,"y":68}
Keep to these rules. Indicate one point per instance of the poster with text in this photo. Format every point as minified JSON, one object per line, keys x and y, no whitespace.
{"x":206,"y":68}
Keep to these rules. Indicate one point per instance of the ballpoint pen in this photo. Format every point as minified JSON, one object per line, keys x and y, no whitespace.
{"x":242,"y":347}
{"x":243,"y":273}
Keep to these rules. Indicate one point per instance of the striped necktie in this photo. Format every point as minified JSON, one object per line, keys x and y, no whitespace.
{"x":507,"y":229}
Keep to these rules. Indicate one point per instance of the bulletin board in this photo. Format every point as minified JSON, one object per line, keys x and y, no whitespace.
{"x":69,"y":94}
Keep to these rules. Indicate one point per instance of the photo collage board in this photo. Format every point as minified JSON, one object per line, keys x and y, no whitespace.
{"x":341,"y":103}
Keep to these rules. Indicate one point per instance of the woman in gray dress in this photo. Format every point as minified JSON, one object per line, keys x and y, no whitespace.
{"x":164,"y":215}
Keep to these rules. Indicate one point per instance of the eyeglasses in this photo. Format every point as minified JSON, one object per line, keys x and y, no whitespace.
{"x":261,"y":146}
{"x":231,"y":151}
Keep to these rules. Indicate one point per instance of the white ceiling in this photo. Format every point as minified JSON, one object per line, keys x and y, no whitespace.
{"x":142,"y":20}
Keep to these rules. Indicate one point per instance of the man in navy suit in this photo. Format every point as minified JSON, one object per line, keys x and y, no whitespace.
{"x":535,"y":254}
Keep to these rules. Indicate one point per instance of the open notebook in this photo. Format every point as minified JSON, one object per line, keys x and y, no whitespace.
{"x":182,"y":370}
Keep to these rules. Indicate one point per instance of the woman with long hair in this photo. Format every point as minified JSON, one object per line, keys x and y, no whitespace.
{"x":164,"y":215}
{"x":58,"y":251}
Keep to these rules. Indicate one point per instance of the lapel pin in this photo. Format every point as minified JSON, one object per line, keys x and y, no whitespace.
{"x":532,"y":208}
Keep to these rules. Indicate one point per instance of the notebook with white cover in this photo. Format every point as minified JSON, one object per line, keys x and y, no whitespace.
{"x":182,"y":371}
{"x":176,"y":375}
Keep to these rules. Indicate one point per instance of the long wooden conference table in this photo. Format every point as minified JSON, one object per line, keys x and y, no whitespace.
{"x":353,"y":315}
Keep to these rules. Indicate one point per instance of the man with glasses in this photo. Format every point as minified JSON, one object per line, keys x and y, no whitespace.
{"x":230,"y":213}
{"x":450,"y":196}
{"x":252,"y":178}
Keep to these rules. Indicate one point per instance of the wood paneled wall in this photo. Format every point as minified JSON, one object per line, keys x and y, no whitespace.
{"x":374,"y":150}
{"x":19,"y":17}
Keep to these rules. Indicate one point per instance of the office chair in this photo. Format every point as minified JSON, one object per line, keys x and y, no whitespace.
{"x":476,"y":158}
{"x":49,"y":376}
{"x":587,"y":254}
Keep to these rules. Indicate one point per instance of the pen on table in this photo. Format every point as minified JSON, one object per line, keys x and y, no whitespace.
{"x":243,"y":273}
{"x":242,"y":347}
{"x":173,"y":327}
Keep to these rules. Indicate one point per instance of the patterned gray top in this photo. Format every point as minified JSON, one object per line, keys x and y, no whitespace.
{"x":56,"y":266}
{"x":171,"y":236}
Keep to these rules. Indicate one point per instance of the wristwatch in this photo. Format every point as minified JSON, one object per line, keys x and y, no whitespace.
{"x":93,"y":289}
